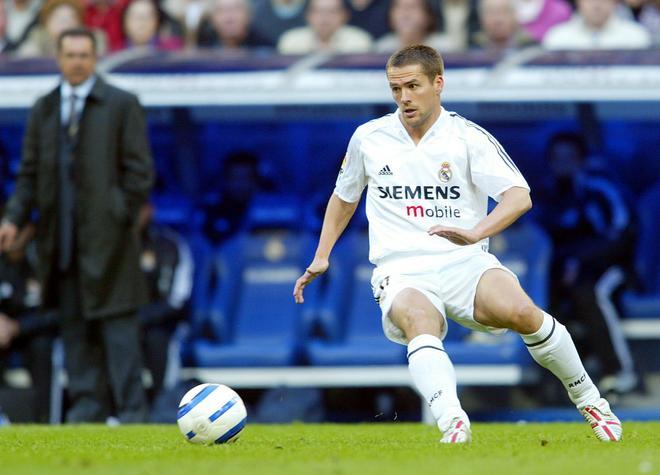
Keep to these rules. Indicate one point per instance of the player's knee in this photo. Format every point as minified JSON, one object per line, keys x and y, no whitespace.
{"x":420,"y":321}
{"x":524,"y":317}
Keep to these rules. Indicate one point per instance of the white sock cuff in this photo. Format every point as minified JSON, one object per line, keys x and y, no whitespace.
{"x":543,"y":334}
{"x":423,"y":342}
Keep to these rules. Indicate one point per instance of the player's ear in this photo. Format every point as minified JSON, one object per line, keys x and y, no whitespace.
{"x":439,"y":83}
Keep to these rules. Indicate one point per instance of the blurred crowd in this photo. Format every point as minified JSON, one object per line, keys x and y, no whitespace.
{"x":28,"y":28}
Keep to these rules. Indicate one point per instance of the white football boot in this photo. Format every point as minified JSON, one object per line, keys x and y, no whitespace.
{"x":604,"y":423}
{"x":458,"y":432}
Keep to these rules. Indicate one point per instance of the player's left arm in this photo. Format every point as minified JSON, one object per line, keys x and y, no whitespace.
{"x":514,"y":203}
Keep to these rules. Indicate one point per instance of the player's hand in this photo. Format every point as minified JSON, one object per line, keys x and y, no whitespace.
{"x":8,"y":232}
{"x":8,"y":330}
{"x":459,"y":236}
{"x":315,"y":269}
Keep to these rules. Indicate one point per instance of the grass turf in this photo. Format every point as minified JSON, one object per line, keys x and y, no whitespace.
{"x":395,"y":448}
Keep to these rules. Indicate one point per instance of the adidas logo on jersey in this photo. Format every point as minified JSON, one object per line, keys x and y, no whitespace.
{"x":385,"y":171}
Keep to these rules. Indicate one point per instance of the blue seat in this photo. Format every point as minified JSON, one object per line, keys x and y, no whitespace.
{"x":273,"y":211}
{"x":526,"y":249}
{"x":175,"y":211}
{"x":645,"y":303}
{"x":349,"y":315}
{"x":257,"y":322}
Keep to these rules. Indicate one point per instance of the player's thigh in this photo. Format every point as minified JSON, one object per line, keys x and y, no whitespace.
{"x":415,"y":315}
{"x":501,"y":302}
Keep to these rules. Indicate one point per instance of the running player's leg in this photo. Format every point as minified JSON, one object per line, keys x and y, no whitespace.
{"x":430,"y":367}
{"x":501,"y":302}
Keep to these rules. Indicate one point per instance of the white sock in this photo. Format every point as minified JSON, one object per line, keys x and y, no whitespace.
{"x":435,"y":379}
{"x":552,"y":347}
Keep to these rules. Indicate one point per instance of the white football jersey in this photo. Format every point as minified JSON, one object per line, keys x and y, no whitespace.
{"x":445,"y":179}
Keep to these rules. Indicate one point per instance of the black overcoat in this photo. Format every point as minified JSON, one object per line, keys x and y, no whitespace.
{"x":113,"y":174}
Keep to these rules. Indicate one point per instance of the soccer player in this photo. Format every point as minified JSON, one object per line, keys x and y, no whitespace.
{"x":429,"y":173}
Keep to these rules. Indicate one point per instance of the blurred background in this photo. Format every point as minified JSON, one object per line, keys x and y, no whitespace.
{"x":250,"y":105}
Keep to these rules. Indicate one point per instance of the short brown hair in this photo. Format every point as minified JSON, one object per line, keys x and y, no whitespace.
{"x":428,"y":58}
{"x":80,"y":31}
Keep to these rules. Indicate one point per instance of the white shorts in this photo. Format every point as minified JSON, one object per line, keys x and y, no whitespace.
{"x":448,"y":281}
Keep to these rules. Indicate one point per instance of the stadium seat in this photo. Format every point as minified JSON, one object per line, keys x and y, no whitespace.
{"x":175,"y":211}
{"x":526,"y":249}
{"x":349,"y":315}
{"x":254,"y":317}
{"x":645,"y":303}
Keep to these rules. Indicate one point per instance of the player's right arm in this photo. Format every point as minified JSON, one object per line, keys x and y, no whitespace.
{"x":341,"y":207}
{"x":337,"y":215}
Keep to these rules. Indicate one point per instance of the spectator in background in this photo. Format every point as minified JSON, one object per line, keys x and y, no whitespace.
{"x":647,"y":13}
{"x":24,"y":328}
{"x":500,"y":30}
{"x":412,"y":22}
{"x":592,"y":229}
{"x":327,"y":31}
{"x":106,"y":16}
{"x":22,"y":17}
{"x":373,"y":16}
{"x":595,"y":25}
{"x":188,"y":13}
{"x":225,"y":215}
{"x":56,"y":16}
{"x":166,"y":261}
{"x":538,"y":16}
{"x":5,"y":44}
{"x":229,"y":26}
{"x":144,"y":26}
{"x":457,"y":20}
{"x":276,"y":17}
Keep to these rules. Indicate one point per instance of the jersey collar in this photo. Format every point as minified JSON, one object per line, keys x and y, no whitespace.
{"x":433,"y":130}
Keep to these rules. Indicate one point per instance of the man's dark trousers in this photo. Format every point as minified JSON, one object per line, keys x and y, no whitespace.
{"x":101,"y":355}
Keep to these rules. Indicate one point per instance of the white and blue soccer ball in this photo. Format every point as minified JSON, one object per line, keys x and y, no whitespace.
{"x":211,"y":414}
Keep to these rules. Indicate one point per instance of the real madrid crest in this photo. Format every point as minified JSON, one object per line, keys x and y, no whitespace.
{"x":445,"y":172}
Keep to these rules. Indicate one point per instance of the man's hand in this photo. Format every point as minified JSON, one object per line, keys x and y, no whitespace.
{"x":8,"y":330}
{"x":315,"y":269}
{"x":8,"y":232}
{"x":459,"y":236}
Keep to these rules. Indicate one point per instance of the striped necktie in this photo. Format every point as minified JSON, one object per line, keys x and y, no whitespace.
{"x":72,"y":126}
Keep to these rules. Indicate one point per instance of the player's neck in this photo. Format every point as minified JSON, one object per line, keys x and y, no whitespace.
{"x":418,"y":131}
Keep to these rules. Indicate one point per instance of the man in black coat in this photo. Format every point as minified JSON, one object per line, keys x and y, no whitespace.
{"x":86,"y":169}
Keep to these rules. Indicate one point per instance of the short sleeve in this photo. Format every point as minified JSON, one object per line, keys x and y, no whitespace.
{"x":352,"y":179}
{"x":491,"y":168}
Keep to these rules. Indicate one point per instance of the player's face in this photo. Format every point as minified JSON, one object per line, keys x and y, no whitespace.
{"x":417,"y":96}
{"x":76,"y":59}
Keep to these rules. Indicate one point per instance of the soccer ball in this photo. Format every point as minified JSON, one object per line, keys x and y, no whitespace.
{"x":211,"y":414}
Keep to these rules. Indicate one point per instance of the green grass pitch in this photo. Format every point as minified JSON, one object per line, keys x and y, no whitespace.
{"x":395,"y":448}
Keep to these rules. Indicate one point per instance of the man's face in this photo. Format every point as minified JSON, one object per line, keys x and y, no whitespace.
{"x":231,"y":20}
{"x":596,"y":12}
{"x":76,"y":59}
{"x":241,"y":183}
{"x":565,"y":160}
{"x":417,"y":96}
{"x":326,"y":17}
{"x":141,"y":22}
{"x":409,"y":18}
{"x":498,"y":19}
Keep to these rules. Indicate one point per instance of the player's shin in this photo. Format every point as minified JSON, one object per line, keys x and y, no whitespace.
{"x":434,"y":377}
{"x":552,"y":347}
